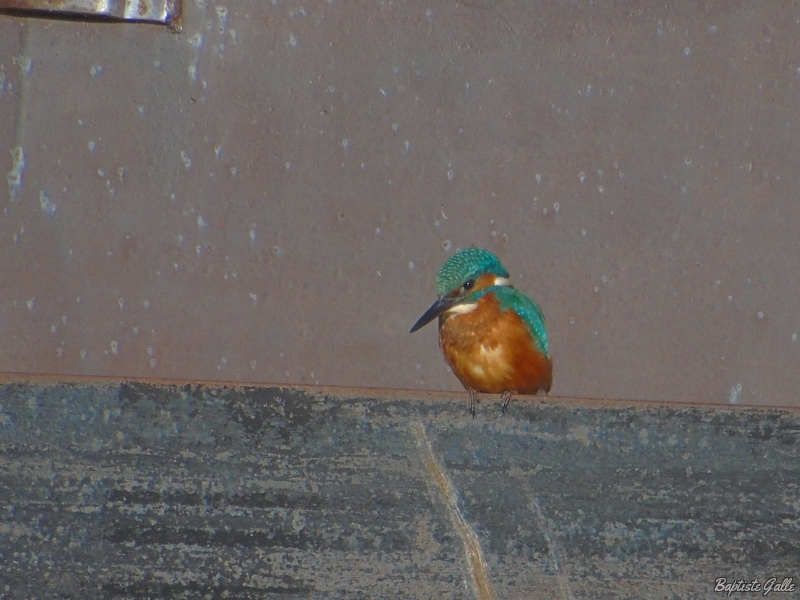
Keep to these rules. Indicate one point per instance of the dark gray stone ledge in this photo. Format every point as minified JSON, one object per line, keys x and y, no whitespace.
{"x":140,"y":490}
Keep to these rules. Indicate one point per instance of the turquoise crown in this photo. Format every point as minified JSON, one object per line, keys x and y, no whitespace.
{"x":464,"y":265}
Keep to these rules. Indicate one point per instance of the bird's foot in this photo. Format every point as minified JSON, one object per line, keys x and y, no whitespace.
{"x":506,"y":398}
{"x":473,"y":400}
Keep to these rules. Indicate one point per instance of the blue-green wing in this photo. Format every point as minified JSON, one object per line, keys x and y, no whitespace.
{"x":526,"y":308}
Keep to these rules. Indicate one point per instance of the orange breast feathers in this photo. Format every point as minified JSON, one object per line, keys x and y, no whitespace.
{"x":492,"y":351}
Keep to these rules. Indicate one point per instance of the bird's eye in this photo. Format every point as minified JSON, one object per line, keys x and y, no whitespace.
{"x":468,"y":284}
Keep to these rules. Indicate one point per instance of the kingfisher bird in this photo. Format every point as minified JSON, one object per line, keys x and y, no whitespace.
{"x":492,"y":335}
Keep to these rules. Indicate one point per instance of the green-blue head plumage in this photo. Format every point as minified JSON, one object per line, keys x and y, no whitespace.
{"x":457,"y":276}
{"x":453,"y":288}
{"x":464,"y":265}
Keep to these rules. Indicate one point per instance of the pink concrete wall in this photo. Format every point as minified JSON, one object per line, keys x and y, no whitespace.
{"x":267,"y":196}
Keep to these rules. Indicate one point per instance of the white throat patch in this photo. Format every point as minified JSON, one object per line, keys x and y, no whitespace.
{"x":462,"y":309}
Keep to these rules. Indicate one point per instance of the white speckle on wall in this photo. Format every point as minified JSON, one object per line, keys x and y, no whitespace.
{"x":15,"y":174}
{"x":48,"y":206}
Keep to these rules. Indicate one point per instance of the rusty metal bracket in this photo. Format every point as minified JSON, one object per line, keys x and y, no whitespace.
{"x":155,"y":11}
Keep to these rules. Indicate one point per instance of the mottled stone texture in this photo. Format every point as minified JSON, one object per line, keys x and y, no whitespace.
{"x":139,"y":490}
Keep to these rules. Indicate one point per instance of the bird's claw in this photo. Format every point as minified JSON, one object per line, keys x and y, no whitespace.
{"x":506,"y":398}
{"x":473,"y":400}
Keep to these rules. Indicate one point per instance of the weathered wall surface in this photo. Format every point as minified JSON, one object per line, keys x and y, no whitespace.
{"x":267,"y":196}
{"x":137,"y":490}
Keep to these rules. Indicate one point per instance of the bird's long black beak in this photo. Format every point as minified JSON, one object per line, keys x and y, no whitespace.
{"x":437,"y":308}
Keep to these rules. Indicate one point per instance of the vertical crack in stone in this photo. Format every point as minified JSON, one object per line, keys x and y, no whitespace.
{"x":481,"y":584}
{"x":563,"y":582}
